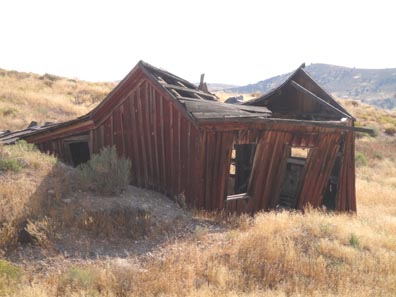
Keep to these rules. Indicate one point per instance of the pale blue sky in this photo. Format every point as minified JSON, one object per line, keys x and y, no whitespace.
{"x":236,"y":42}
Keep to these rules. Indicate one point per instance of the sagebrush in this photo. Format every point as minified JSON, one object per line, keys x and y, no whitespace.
{"x":105,"y":173}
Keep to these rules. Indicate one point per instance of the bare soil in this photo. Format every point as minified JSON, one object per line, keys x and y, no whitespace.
{"x":137,"y":224}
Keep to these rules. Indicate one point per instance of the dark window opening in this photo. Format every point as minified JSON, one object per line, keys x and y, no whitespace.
{"x":79,"y":152}
{"x":330,"y":194}
{"x":242,"y":158}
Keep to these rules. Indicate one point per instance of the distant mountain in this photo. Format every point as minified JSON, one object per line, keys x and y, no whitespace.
{"x":373,"y":86}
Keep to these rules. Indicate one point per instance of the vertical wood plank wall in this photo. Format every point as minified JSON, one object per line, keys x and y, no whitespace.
{"x":346,"y":196}
{"x":267,"y":172}
{"x":162,"y":144}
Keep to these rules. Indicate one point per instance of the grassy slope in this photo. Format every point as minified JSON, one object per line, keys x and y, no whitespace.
{"x":272,"y":254}
{"x":25,"y":97}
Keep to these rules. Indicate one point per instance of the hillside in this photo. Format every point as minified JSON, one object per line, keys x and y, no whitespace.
{"x":26,"y":97}
{"x":374,"y":86}
{"x":213,"y":87}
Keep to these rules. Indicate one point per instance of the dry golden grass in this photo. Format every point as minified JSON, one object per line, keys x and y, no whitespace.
{"x":369,"y":116}
{"x":25,"y":97}
{"x":23,"y":194}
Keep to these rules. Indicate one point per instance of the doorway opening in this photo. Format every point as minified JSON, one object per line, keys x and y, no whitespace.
{"x":293,"y":174}
{"x":330,"y":193}
{"x":79,"y":152}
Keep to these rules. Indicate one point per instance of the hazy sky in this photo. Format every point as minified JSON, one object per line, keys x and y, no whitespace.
{"x":236,"y":42}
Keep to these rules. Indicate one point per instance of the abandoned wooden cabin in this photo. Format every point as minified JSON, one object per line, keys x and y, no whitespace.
{"x":289,"y":148}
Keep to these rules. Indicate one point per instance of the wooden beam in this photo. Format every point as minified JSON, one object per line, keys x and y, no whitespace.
{"x":267,"y":123}
{"x":61,"y":132}
{"x":318,"y":99}
{"x":238,"y":197}
{"x":364,"y":130}
{"x":175,"y":87}
{"x":189,"y":99}
{"x":219,"y":116}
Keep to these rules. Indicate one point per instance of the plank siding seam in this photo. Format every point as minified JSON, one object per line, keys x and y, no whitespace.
{"x":162,"y":124}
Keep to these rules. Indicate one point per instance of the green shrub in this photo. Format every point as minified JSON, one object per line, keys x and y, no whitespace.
{"x":362,"y":134}
{"x":50,"y":77}
{"x":378,"y":155}
{"x":14,"y":160}
{"x":105,"y":173}
{"x":10,"y":112}
{"x":25,"y":146}
{"x":10,"y":276}
{"x":354,"y":241}
{"x":10,"y":270}
{"x":360,"y":159}
{"x":79,"y":278}
{"x":10,"y":165}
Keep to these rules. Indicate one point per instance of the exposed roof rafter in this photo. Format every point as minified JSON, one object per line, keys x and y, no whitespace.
{"x":318,"y":99}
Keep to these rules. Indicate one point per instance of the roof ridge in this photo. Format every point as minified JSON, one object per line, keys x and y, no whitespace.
{"x":273,"y":90}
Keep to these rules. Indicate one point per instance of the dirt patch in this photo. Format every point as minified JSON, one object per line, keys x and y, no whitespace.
{"x":119,"y":225}
{"x":138,"y":223}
